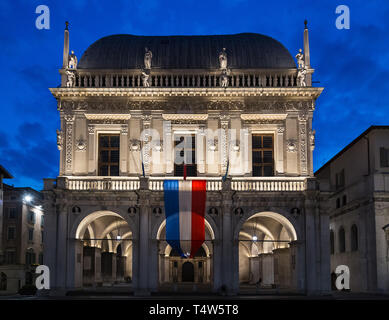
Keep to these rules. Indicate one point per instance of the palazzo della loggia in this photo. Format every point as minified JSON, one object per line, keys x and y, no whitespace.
{"x":233,"y":110}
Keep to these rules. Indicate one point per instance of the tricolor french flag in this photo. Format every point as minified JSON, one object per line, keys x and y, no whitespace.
{"x":184,"y":209}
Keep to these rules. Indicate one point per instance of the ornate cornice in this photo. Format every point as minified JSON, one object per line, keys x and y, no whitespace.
{"x":174,"y":116}
{"x":263,"y":117}
{"x":309,"y":92}
{"x":104,"y":116}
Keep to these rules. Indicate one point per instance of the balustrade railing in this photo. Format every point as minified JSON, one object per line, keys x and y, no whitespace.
{"x":285,"y":78}
{"x":262,"y":184}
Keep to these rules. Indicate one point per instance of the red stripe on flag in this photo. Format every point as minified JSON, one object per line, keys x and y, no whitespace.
{"x":198,"y":209}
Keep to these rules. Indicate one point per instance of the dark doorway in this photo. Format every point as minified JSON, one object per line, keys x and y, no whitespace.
{"x":187,"y":272}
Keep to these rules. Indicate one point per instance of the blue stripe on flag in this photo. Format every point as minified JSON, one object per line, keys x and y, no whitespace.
{"x":172,"y":214}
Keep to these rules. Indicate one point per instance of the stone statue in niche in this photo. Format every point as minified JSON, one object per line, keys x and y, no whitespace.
{"x":72,"y":61}
{"x":145,"y":79}
{"x":147,"y":58}
{"x":71,"y":78}
{"x":132,"y":211}
{"x":301,"y":75}
{"x":300,"y":59}
{"x":213,"y":211}
{"x":157,"y":211}
{"x":223,"y":59}
{"x":59,"y":140}
{"x":312,"y":139}
{"x":239,"y":212}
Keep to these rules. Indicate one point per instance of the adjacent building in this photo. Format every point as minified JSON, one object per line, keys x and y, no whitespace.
{"x":357,"y":179}
{"x":234,"y":110}
{"x":21,"y":242}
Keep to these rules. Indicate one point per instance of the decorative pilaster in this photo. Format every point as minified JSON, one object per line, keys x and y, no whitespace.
{"x":201,"y":149}
{"x":245,"y":149}
{"x":123,"y":149}
{"x":302,"y":120}
{"x":280,"y":151}
{"x":69,"y":123}
{"x":91,"y":149}
{"x":146,"y":148}
{"x":224,"y":125}
{"x":167,"y":139}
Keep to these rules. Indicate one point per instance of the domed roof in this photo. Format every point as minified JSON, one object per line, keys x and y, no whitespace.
{"x":244,"y":50}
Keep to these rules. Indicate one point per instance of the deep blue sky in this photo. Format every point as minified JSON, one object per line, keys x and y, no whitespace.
{"x":352,"y":65}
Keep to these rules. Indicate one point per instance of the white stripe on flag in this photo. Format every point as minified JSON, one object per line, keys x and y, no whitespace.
{"x":185,"y":207}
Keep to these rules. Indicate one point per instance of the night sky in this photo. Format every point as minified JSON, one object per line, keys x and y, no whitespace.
{"x":352,"y":65}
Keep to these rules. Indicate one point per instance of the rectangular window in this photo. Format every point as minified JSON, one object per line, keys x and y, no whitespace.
{"x":263,"y":155}
{"x":31,"y":217}
{"x":384,"y":157}
{"x":340,"y":180}
{"x":10,"y":257}
{"x":11,"y":233}
{"x":12,"y":213}
{"x":109,"y":154}
{"x":30,"y":234}
{"x":185,"y":153}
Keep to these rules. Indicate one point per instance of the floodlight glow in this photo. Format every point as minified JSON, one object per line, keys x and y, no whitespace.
{"x":27,"y":198}
{"x":255,"y":238}
{"x":118,"y":237}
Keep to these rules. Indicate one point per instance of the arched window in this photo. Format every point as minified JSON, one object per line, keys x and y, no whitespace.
{"x":332,"y":242}
{"x":354,"y":238}
{"x":342,"y":240}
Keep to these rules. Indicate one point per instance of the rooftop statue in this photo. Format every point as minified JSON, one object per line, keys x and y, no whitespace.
{"x":71,"y":78}
{"x":72,"y":61}
{"x":224,"y":78}
{"x":223,"y":59}
{"x":145,"y":79}
{"x":300,"y":59}
{"x":147,"y":58}
{"x":301,"y":75}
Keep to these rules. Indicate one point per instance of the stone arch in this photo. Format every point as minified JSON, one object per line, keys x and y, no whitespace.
{"x":282,"y":218}
{"x":168,"y":249}
{"x":85,"y":218}
{"x":264,"y":251}
{"x":94,"y":262}
{"x":209,"y":225}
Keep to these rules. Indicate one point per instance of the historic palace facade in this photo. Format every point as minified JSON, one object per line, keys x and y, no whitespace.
{"x":234,"y":110}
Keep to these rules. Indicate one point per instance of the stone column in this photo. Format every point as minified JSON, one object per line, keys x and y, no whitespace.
{"x":91,"y":150}
{"x":311,"y":248}
{"x":297,"y":266}
{"x":227,"y":241}
{"x":143,"y":252}
{"x":49,"y":237}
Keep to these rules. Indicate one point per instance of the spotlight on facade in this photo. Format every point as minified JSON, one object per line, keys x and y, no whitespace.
{"x":118,"y":237}
{"x":255,"y":238}
{"x":27,"y":198}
